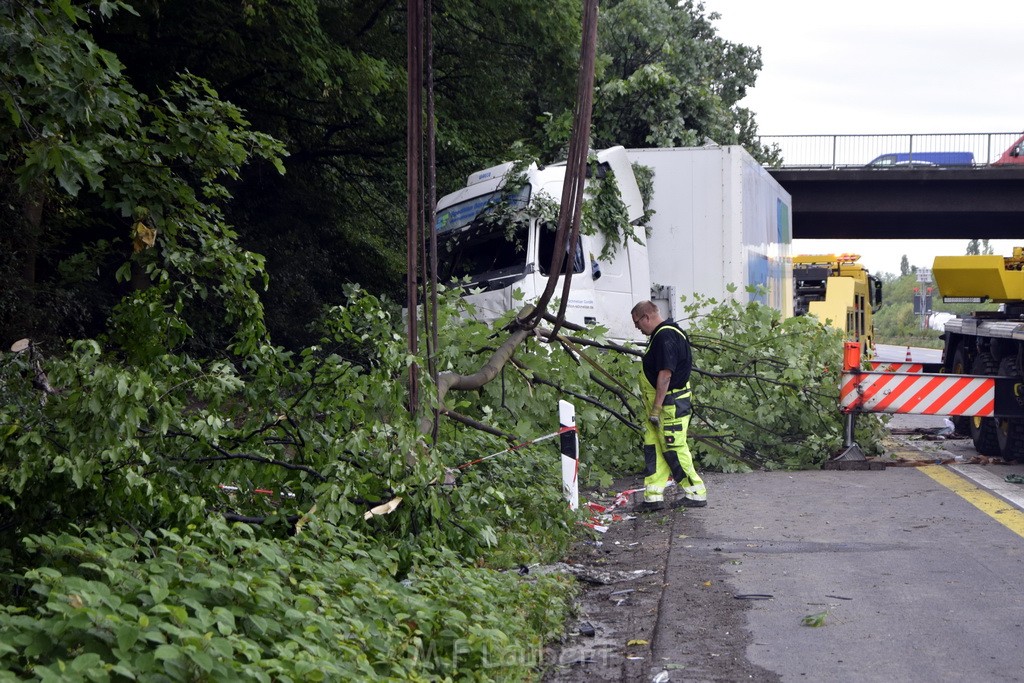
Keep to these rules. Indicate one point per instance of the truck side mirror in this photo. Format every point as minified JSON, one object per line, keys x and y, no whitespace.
{"x":1015,"y":152}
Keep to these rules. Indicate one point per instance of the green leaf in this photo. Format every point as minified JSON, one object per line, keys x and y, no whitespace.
{"x":124,"y":273}
{"x":127,"y":636}
{"x":815,"y":620}
{"x":158,"y":589}
{"x":66,"y":7}
{"x":167,"y":652}
{"x":201,"y":659}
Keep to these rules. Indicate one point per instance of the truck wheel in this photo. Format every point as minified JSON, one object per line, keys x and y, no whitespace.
{"x":1010,"y":431}
{"x":983,"y":429}
{"x":961,"y":425}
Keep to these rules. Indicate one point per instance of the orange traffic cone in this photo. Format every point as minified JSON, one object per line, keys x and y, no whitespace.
{"x":909,"y":359}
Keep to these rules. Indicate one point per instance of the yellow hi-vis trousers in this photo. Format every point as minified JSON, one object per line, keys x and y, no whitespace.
{"x":665,"y":449}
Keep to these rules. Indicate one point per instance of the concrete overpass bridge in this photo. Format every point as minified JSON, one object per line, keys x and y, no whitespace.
{"x":834,"y":197}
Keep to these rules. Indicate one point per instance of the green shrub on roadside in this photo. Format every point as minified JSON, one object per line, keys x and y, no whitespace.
{"x":226,"y":602}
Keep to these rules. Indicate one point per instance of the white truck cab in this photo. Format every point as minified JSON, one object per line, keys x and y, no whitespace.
{"x":499,"y":257}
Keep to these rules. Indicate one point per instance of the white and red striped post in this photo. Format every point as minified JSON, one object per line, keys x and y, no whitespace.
{"x":570,"y":447}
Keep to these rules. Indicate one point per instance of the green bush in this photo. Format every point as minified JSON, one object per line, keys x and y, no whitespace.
{"x":220,"y":602}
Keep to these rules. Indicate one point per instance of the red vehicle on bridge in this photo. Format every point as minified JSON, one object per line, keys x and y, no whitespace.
{"x":1013,"y":155}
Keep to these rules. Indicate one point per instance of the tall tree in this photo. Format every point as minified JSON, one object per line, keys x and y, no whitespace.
{"x":327,"y":77}
{"x":107,"y":183}
{"x":667,"y":79}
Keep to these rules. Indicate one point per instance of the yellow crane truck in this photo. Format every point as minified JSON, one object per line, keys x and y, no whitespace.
{"x":838,"y":291}
{"x":987,"y":342}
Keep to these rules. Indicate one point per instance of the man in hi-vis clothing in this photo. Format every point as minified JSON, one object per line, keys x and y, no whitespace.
{"x":665,"y":386}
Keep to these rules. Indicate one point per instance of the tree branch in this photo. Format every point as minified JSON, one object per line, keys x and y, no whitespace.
{"x":447,"y":381}
{"x":470,"y":422}
{"x":593,"y":401}
{"x":226,"y":455}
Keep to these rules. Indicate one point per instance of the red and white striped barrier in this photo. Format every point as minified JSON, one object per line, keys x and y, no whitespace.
{"x":882,"y":366}
{"x":917,"y":394}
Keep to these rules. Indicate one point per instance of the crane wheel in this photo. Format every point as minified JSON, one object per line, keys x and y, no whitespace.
{"x":1010,"y":431}
{"x":983,"y":429}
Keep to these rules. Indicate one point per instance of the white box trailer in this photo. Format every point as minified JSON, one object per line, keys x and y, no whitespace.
{"x":720,"y":219}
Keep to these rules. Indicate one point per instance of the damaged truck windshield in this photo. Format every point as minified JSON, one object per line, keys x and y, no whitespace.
{"x":494,"y":252}
{"x":474,"y":243}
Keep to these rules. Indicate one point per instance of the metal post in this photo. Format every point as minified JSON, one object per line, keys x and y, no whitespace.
{"x":851,"y":364}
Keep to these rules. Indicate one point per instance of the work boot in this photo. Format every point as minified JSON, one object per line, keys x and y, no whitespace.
{"x":684,"y":502}
{"x":651,"y":506}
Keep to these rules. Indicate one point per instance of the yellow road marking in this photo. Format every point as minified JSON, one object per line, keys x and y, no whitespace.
{"x":996,"y":508}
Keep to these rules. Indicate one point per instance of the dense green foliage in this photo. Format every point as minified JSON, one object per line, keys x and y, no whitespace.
{"x":667,"y":79}
{"x":183,"y":498}
{"x":752,"y":369}
{"x":220,"y":603}
{"x":92,"y":89}
{"x":767,"y":388}
{"x":91,"y":164}
{"x":127,"y":452}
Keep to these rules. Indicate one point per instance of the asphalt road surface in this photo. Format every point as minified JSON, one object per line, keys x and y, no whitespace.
{"x":910,"y":581}
{"x":911,"y":573}
{"x":890,"y":353}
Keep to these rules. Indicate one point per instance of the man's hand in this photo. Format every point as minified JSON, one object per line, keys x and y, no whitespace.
{"x":654,"y":420}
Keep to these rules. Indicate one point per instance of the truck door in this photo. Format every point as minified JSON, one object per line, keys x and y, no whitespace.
{"x":580,"y":307}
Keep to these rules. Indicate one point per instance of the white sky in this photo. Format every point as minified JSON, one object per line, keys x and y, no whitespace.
{"x":883,"y":66}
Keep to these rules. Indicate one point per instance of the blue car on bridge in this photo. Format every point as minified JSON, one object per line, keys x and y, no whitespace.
{"x":912,"y":159}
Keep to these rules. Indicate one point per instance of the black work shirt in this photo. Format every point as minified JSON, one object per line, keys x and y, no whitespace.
{"x":668,"y":349}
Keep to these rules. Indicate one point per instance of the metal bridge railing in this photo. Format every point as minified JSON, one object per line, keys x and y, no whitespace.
{"x":846,"y":151}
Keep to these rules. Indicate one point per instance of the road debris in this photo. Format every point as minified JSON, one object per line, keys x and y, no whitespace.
{"x":594,"y":575}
